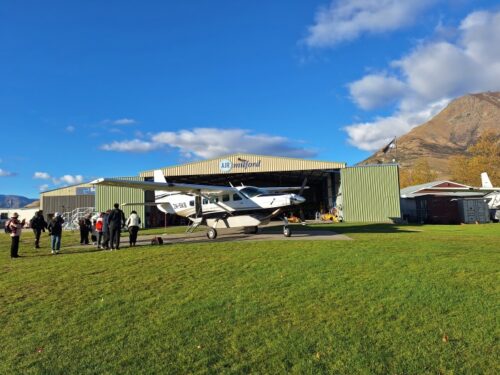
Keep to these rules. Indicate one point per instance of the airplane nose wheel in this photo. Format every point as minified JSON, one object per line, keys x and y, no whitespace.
{"x":212,"y":234}
{"x":287,"y":232}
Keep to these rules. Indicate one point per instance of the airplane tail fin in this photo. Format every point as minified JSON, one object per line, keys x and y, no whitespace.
{"x":159,"y":177}
{"x":485,"y":180}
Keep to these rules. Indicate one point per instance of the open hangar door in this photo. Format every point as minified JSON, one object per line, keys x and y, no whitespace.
{"x":320,"y":196}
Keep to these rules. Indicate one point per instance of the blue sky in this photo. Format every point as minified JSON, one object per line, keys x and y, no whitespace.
{"x":110,"y":88}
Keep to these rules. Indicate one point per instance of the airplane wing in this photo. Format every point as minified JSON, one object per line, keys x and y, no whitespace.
{"x":284,"y":189}
{"x":165,"y":186}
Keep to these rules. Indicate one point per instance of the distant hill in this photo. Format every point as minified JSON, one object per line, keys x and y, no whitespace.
{"x":449,"y":133}
{"x":14,"y":201}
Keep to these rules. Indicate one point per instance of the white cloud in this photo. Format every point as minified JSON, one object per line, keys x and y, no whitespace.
{"x":213,"y":142}
{"x":346,"y":20}
{"x":43,"y":187}
{"x":4,"y":173}
{"x":68,"y":179}
{"x":70,"y":128}
{"x":121,"y":121}
{"x":41,"y":175}
{"x":376,"y":90}
{"x":432,"y":74}
{"x":125,"y":121}
{"x":135,"y":145}
{"x":373,"y":135}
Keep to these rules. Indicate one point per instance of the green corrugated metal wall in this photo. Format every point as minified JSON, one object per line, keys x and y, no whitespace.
{"x":106,"y":196}
{"x":371,"y":193}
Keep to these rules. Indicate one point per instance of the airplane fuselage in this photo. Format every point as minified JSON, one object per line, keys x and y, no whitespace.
{"x":232,"y":204}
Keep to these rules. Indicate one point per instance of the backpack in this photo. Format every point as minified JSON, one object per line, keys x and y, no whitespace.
{"x":98,"y":225}
{"x":157,"y":241}
{"x":7,"y":227}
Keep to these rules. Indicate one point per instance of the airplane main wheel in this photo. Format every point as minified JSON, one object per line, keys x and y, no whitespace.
{"x":212,"y":234}
{"x":287,"y":232}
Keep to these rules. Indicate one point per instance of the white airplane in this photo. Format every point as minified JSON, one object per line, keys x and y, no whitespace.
{"x":493,"y":197}
{"x":217,"y":206}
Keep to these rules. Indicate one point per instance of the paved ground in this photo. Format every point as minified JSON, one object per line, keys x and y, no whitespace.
{"x":228,"y":235}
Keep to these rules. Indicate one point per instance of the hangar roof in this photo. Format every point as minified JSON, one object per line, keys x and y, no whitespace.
{"x":66,"y":190}
{"x":442,"y":188}
{"x":245,"y":163}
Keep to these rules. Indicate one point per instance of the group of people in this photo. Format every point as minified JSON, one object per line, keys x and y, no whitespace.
{"x":38,"y":224}
{"x":106,"y":227}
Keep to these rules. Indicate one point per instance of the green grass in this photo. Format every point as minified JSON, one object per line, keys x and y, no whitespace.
{"x":380,"y":304}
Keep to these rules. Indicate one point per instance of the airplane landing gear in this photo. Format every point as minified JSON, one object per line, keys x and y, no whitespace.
{"x":287,"y":232}
{"x":212,"y":234}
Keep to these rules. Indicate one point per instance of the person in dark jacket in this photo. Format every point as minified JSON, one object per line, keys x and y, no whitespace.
{"x":55,"y":231}
{"x":116,"y":220}
{"x":38,"y":224}
{"x":85,"y":228}
{"x":105,"y":230}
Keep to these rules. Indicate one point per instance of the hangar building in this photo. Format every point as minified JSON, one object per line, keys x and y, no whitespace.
{"x":362,"y":194}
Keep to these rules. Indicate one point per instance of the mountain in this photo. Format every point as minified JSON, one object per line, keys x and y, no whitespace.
{"x":447,"y":134}
{"x":14,"y":201}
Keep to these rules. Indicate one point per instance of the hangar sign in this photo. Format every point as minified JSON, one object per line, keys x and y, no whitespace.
{"x":226,"y":165}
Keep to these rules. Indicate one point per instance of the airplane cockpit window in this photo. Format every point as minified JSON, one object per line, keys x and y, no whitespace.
{"x":237,"y":197}
{"x":251,"y":192}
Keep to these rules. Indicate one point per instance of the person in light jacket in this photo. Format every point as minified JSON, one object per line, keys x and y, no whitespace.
{"x":133,"y":222}
{"x":15,"y":228}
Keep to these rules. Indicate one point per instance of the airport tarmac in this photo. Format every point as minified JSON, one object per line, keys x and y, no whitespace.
{"x":230,"y":235}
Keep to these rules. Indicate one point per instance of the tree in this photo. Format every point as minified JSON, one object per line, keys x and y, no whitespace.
{"x":482,"y":156}
{"x":420,"y":173}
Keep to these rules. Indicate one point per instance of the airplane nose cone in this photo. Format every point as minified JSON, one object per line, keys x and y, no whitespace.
{"x":297,"y":199}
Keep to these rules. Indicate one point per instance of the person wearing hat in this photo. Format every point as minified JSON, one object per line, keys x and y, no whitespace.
{"x":15,"y":229}
{"x":55,"y":231}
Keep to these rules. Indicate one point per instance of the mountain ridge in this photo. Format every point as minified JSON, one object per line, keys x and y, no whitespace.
{"x":447,"y":134}
{"x":14,"y":201}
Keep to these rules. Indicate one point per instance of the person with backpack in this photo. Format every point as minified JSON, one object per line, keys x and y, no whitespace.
{"x":116,"y":220}
{"x":14,"y":227}
{"x":38,"y":224}
{"x":133,"y":223}
{"x":85,"y":229}
{"x":55,"y":231}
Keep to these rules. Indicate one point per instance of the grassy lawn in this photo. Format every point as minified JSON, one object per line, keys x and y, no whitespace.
{"x":396,"y":300}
